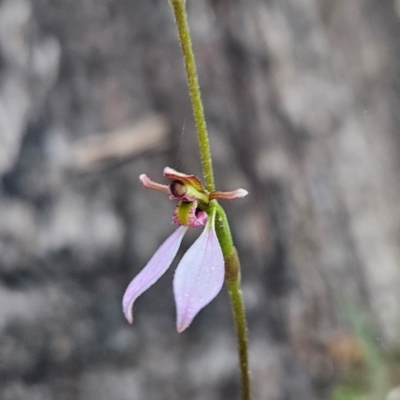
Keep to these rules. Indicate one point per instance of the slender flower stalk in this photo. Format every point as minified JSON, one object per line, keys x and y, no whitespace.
{"x":239,"y":313}
{"x":232,"y":264}
{"x":232,"y":281}
{"x":194,"y":90}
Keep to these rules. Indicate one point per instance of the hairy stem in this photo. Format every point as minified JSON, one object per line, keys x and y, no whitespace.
{"x":194,"y":90}
{"x":232,"y":264}
{"x":236,"y":297}
{"x":232,"y":281}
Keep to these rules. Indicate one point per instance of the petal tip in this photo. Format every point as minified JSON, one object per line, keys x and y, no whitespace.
{"x":242,"y":193}
{"x":181,"y":327}
{"x":144,"y":179}
{"x":169,"y":170}
{"x":128,"y":312}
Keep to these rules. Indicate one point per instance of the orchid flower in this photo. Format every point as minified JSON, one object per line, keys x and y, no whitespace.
{"x":200,"y":274}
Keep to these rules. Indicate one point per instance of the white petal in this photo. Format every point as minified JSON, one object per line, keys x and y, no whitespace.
{"x":153,"y":271}
{"x":199,"y":277}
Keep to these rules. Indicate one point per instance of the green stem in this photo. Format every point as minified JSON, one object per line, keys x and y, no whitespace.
{"x":232,"y":281}
{"x":194,"y":90}
{"x":232,"y":264}
{"x":236,"y":297}
{"x":223,"y":230}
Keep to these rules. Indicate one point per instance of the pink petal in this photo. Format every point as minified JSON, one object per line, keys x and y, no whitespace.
{"x":148,"y":183}
{"x":199,"y":277}
{"x":234,"y":194}
{"x":153,"y":271}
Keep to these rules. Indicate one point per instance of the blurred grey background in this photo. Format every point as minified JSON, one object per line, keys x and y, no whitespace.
{"x":302,"y":99}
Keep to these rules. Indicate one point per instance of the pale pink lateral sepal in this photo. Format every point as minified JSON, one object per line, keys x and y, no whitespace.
{"x":148,"y":183}
{"x":199,"y":277}
{"x":153,"y":271}
{"x":234,"y":194}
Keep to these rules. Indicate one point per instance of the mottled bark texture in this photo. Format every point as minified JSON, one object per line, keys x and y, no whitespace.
{"x":302,"y":100}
